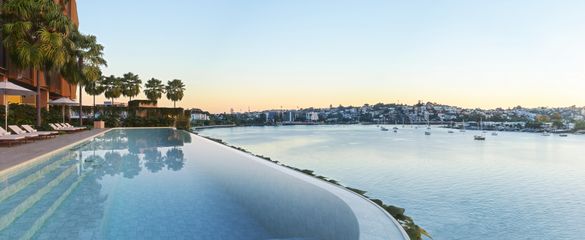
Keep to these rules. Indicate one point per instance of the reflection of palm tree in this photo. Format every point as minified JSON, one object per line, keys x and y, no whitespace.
{"x":130,"y":165}
{"x":154,"y":160}
{"x":113,"y":163}
{"x":175,"y":159}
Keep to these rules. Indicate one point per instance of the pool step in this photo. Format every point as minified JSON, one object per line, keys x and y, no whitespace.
{"x":21,"y":184}
{"x":40,"y":222}
{"x":21,"y":208}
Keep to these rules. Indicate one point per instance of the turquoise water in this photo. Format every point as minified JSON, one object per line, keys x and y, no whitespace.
{"x":127,"y":184}
{"x":511,"y":186}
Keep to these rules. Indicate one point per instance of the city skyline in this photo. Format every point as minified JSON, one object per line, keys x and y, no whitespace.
{"x":263,"y":54}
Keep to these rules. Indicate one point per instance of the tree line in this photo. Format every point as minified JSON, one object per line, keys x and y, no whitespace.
{"x":130,"y":84}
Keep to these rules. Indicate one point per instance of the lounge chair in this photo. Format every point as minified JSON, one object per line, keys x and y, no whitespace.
{"x":27,"y":136}
{"x":21,"y":132}
{"x":59,"y":128}
{"x":63,"y":126}
{"x":30,"y":129}
{"x":10,"y":139}
{"x":71,"y":126}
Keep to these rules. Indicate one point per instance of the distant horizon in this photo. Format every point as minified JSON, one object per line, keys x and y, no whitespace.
{"x":266,"y":54}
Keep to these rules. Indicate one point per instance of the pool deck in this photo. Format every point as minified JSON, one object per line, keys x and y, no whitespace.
{"x":17,"y":154}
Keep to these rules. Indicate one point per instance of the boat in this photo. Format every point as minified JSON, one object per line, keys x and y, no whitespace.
{"x":563,"y":135}
{"x":546,"y":134}
{"x":384,"y":129}
{"x":450,"y":131}
{"x":494,"y":134}
{"x":395,"y":130}
{"x":480,"y":137}
{"x":462,"y":126}
{"x":428,"y":131}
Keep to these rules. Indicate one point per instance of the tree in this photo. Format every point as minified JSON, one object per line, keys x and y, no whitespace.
{"x":93,"y":89}
{"x":113,"y":87}
{"x":153,"y":89}
{"x":84,"y":65}
{"x":131,"y":85}
{"x":175,"y":91}
{"x":35,"y":35}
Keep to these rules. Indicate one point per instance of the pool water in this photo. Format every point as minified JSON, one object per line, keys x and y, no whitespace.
{"x":126,"y":184}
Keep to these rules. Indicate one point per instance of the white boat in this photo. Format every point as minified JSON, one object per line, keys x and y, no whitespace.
{"x":428,"y":131}
{"x":480,"y":137}
{"x":546,"y":134}
{"x":494,"y":134}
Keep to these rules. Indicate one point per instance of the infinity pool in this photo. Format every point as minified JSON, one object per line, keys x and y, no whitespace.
{"x":169,"y":184}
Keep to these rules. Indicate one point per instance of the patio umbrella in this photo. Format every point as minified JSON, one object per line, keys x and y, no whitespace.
{"x":63,"y":102}
{"x":8,"y":88}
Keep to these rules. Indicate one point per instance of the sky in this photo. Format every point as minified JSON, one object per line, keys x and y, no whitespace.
{"x":272,"y":54}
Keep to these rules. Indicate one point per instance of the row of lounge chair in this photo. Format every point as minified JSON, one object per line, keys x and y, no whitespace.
{"x":28,"y":133}
{"x":65,"y":127}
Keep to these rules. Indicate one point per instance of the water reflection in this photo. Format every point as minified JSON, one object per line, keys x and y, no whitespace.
{"x":153,"y":160}
{"x":174,"y":159}
{"x":128,"y":153}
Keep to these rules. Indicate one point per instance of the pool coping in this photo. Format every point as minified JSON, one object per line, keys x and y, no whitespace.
{"x":31,"y":162}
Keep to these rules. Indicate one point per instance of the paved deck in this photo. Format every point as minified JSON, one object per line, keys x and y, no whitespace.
{"x":16,"y":154}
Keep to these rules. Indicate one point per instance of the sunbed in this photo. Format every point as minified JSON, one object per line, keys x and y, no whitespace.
{"x":45,"y":134}
{"x":71,"y":126}
{"x":62,"y":129}
{"x":63,"y":126}
{"x":10,"y":139}
{"x":27,"y":136}
{"x":30,"y":129}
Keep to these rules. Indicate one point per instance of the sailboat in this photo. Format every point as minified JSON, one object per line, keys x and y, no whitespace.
{"x":463,"y":127}
{"x":428,"y":131}
{"x":480,"y":137}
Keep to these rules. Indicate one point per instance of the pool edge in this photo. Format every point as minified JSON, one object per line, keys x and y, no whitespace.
{"x":31,"y":162}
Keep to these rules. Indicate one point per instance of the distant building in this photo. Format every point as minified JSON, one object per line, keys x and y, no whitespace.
{"x":199,"y":115}
{"x":289,"y":116}
{"x":312,"y":116}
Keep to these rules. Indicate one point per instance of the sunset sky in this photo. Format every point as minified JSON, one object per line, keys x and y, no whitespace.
{"x":264,"y":54}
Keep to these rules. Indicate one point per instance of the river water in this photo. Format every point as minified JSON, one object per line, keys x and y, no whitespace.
{"x":510,"y":186}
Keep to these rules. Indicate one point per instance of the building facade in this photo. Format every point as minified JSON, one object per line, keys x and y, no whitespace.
{"x":55,"y":86}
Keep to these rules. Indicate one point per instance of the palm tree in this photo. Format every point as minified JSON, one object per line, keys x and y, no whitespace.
{"x":84,"y":64}
{"x":131,"y":85}
{"x":94,"y":88}
{"x":113,"y":87}
{"x":175,"y":91}
{"x":35,"y":35}
{"x":153,"y":89}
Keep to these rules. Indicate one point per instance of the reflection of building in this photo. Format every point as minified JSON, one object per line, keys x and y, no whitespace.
{"x":53,"y":87}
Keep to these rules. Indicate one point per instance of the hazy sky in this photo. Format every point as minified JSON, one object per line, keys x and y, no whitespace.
{"x":265,"y":54}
